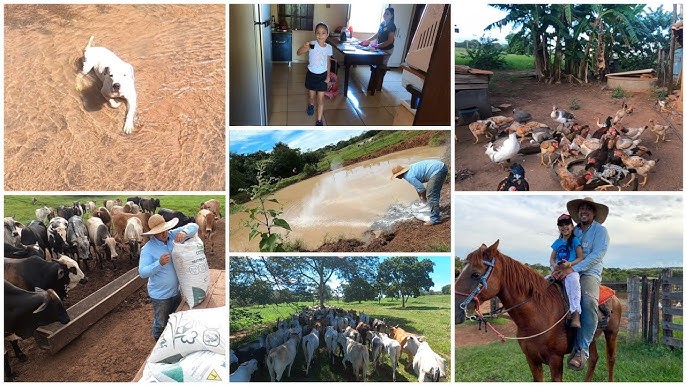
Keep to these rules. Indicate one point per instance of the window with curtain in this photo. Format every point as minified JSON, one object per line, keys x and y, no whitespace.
{"x":365,"y":18}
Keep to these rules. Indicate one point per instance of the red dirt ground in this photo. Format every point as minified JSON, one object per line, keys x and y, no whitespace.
{"x":114,"y":348}
{"x":474,"y":171}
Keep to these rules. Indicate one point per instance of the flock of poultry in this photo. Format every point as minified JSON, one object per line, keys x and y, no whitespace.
{"x":610,"y":154}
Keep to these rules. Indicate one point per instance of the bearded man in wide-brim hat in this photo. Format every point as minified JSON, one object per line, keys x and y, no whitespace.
{"x":589,"y":216}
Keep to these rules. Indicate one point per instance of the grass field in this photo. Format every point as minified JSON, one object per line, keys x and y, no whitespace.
{"x":512,"y":62}
{"x":505,"y":362}
{"x":21,"y":208}
{"x":426,"y":315}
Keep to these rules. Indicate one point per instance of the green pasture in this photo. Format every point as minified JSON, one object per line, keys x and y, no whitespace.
{"x":425,"y":315}
{"x":505,"y":362}
{"x":21,"y":208}
{"x":512,"y":61}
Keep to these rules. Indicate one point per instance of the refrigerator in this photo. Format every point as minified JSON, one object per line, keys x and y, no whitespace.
{"x":250,"y":64}
{"x":403,"y":19}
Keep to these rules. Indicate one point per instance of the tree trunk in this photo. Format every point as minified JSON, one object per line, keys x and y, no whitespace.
{"x":583,"y":68}
{"x":600,"y":51}
{"x":556,"y":73}
{"x":321,"y":292}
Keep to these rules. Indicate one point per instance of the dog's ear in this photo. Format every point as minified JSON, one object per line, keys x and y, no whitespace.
{"x":107,"y":71}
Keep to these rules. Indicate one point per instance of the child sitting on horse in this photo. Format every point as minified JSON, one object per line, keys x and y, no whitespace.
{"x":566,"y":253}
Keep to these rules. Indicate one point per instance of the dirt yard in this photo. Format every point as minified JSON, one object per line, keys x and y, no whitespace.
{"x":474,"y":171}
{"x":114,"y":348}
{"x":61,"y":134}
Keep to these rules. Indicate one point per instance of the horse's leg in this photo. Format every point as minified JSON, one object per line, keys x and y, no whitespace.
{"x":536,"y":368}
{"x":610,"y":350}
{"x":591,"y":362}
{"x":556,"y":367}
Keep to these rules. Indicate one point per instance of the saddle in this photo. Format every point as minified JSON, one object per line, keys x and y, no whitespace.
{"x":604,"y":307}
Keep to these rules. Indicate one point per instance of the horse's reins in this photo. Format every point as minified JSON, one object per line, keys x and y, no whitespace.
{"x":481,"y":318}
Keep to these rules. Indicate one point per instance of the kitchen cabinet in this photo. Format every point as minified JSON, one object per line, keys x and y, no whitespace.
{"x":282,"y":46}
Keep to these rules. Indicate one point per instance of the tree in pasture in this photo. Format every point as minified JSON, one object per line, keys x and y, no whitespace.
{"x":358,"y":289}
{"x":405,"y":276}
{"x":445,"y":290}
{"x":296,"y":272}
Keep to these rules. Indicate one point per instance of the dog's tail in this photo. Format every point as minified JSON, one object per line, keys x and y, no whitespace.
{"x":90,"y":43}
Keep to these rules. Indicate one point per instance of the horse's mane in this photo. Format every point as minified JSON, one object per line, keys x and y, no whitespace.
{"x":524,"y":281}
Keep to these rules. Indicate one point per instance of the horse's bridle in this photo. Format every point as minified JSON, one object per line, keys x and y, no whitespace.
{"x":483,"y":283}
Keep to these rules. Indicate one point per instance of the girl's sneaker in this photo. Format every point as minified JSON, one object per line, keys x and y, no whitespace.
{"x":320,"y":123}
{"x":310,"y":110}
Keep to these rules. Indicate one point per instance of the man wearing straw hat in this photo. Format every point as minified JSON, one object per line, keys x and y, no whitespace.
{"x":433,"y":173}
{"x":156,"y":265}
{"x":588,"y":215}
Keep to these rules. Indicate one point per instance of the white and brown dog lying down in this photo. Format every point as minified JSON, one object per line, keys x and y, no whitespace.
{"x":116,"y":76}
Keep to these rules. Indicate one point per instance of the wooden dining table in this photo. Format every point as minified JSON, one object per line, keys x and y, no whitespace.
{"x":347,"y":54}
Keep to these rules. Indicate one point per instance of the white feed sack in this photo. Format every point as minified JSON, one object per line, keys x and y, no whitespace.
{"x":421,"y":211}
{"x":189,"y":331}
{"x":200,"y":366}
{"x":191,"y":267}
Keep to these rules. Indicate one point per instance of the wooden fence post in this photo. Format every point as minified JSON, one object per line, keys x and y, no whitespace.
{"x":634,"y":293}
{"x":644,"y":307}
{"x":654,"y":311}
{"x":666,"y":304}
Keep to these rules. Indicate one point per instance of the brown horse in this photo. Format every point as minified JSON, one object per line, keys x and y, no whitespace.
{"x":534,"y":305}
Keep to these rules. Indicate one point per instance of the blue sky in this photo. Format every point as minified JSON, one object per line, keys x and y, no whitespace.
{"x":473,"y":27}
{"x":250,"y":141}
{"x":645,"y":230}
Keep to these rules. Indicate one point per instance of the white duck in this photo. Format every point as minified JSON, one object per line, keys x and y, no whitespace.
{"x":500,"y":153}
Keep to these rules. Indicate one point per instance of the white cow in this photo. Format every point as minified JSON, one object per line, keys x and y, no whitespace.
{"x":310,"y":344}
{"x":330,"y":338}
{"x":281,"y":357}
{"x":426,"y":362}
{"x":356,"y":354}
{"x":244,"y":371}
{"x":392,"y":348}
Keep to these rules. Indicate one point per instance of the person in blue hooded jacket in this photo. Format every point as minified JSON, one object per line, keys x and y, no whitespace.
{"x":156,"y":265}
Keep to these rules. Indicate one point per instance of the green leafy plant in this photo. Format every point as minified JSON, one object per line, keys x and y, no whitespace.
{"x":263,"y":220}
{"x":486,"y":56}
{"x":658,"y":93}
{"x":618,"y":93}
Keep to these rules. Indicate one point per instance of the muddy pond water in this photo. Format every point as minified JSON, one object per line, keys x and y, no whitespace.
{"x":344,"y":202}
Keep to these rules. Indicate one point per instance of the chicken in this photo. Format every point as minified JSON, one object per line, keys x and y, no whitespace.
{"x":632,"y":132}
{"x":568,"y":180}
{"x":607,"y":123}
{"x":561,"y":115}
{"x":607,"y":176}
{"x":624,"y":143}
{"x":541,"y":134}
{"x":549,"y":148}
{"x":639,"y":150}
{"x":659,"y":130}
{"x":567,"y":148}
{"x":523,"y":129}
{"x":480,"y":128}
{"x":515,"y":180}
{"x":587,"y":145}
{"x":521,"y":116}
{"x":501,"y":120}
{"x":624,"y":111}
{"x":642,"y":166}
{"x":598,"y":157}
{"x":499,"y":153}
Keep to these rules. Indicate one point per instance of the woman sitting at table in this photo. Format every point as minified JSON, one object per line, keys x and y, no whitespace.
{"x":385,"y":37}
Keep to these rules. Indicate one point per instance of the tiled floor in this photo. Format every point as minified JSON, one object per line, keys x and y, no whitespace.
{"x":289,"y":98}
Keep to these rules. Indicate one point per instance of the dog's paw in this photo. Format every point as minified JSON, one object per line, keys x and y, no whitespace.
{"x":113,"y":103}
{"x":128,"y":128}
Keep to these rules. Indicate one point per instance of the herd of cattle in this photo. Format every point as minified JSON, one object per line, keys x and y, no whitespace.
{"x":42,"y":259}
{"x":356,"y":339}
